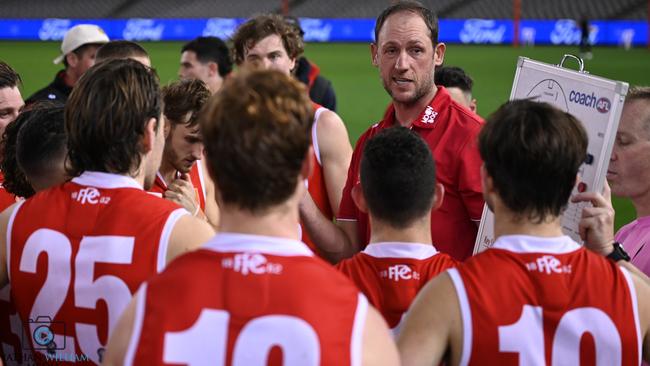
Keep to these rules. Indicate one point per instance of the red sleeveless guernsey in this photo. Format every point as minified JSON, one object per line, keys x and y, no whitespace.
{"x":392,"y":274}
{"x":248,"y":300}
{"x":316,"y":183}
{"x":196,"y":176}
{"x":546,"y":301}
{"x":77,"y":253}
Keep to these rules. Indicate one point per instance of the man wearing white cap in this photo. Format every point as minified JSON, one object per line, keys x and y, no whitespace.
{"x":78,"y":50}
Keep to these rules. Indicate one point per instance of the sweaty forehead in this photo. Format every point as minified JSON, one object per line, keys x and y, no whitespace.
{"x":10,"y":98}
{"x":404,"y":26}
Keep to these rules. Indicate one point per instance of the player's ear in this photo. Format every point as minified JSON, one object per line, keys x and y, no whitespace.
{"x":213,"y":68}
{"x":359,"y":199}
{"x":438,"y":196}
{"x":472,"y":105}
{"x":167,"y":126}
{"x":439,"y":54}
{"x":149,"y":137}
{"x":373,"y":54}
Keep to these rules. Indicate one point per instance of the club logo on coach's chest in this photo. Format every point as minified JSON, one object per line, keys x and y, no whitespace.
{"x":429,"y":115}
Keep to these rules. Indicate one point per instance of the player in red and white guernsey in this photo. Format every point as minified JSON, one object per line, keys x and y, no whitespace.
{"x":182,"y":177}
{"x":268,"y":42}
{"x":11,"y":102}
{"x":33,"y":158}
{"x":535,"y":297}
{"x":398,"y":190}
{"x":98,"y":237}
{"x":248,"y":296}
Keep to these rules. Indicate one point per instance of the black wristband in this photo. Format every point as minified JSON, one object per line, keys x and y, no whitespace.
{"x":619,"y":253}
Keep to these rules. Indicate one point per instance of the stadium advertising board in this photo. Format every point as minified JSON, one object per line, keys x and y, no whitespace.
{"x":468,"y":31}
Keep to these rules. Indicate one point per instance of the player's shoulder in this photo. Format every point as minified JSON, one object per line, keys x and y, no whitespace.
{"x":464,"y":118}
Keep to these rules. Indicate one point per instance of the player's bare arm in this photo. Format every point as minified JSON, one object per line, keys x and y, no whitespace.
{"x":119,"y":341}
{"x":378,"y":346}
{"x":188,"y":234}
{"x":4,"y":222}
{"x":336,"y":241}
{"x":336,"y":153}
{"x":433,"y":326}
{"x":211,"y":206}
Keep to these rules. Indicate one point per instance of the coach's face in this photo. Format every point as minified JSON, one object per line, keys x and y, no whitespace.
{"x":406,"y":57}
{"x":629,"y":167}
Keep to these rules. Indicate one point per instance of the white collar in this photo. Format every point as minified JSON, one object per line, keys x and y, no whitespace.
{"x":236,"y":242}
{"x":400,"y":250}
{"x":535,"y":244}
{"x":106,"y":180}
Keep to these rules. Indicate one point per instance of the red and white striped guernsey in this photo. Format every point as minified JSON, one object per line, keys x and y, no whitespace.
{"x":248,"y":300}
{"x":74,"y":269}
{"x":546,"y":301}
{"x":391,"y":275}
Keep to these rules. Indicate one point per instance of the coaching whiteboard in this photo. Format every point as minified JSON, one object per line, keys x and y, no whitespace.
{"x":595,"y":101}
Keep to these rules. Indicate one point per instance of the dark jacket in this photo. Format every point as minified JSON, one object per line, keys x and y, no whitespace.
{"x":56,"y":90}
{"x":320,"y":89}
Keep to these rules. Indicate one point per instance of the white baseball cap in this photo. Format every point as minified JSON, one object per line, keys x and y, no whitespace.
{"x":80,"y":35}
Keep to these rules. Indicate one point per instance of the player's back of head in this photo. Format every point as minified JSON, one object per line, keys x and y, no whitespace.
{"x":257,"y":132}
{"x":532,"y":152}
{"x":121,"y":49}
{"x":106,"y":115}
{"x":398,"y":176}
{"x":453,"y":77}
{"x":34,"y":150}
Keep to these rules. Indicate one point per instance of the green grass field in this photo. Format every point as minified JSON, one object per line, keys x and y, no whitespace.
{"x":360,"y":96}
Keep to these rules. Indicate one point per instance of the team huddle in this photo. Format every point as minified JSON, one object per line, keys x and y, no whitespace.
{"x":225,"y":218}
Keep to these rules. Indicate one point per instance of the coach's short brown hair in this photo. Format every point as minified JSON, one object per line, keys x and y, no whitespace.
{"x":106,"y":115}
{"x":257,"y":132}
{"x":262,"y":26}
{"x":9,"y":78}
{"x":182,"y":97}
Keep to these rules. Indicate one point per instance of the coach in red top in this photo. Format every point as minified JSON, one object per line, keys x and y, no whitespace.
{"x":406,"y":51}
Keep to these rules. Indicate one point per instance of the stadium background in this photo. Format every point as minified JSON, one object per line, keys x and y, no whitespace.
{"x":360,"y":96}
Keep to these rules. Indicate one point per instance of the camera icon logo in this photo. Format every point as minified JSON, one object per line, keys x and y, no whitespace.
{"x":45,"y":334}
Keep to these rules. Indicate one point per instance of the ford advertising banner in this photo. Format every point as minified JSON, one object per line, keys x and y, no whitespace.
{"x":469,"y":31}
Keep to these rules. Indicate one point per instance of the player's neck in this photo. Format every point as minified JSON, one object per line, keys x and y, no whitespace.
{"x":506,"y":223}
{"x":279,"y":221}
{"x":406,"y":113}
{"x":418,"y":232}
{"x":167,"y":171}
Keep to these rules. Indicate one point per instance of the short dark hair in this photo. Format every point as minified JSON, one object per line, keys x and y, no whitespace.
{"x":9,"y":78}
{"x":211,"y":49}
{"x":31,"y":144}
{"x":262,"y":26}
{"x":453,"y":77}
{"x":120,"y":49}
{"x":182,"y":97}
{"x":532,"y":151}
{"x":106,"y":115}
{"x":398,"y":176}
{"x":257,"y":131}
{"x":429,"y":17}
{"x":638,"y":92}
